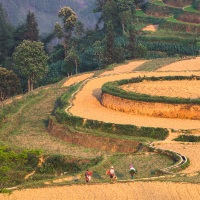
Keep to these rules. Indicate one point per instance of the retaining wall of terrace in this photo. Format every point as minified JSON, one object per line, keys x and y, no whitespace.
{"x":92,"y":141}
{"x":155,"y":109}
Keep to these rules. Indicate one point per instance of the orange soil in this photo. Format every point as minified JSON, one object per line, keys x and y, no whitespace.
{"x":184,"y":65}
{"x":129,"y":67}
{"x":150,"y":28}
{"x":86,"y":104}
{"x":77,"y":79}
{"x":183,"y":88}
{"x":120,"y":191}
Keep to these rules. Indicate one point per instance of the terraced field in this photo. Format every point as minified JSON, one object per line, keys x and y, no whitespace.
{"x":87,"y":105}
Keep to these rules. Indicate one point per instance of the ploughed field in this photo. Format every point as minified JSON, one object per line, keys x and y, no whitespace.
{"x":87,"y":104}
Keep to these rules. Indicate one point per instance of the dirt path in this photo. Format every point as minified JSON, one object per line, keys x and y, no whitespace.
{"x":116,"y":191}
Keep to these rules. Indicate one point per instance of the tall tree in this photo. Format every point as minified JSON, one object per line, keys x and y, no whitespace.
{"x":79,"y":29}
{"x":5,"y":36}
{"x":58,"y":31}
{"x":126,"y":11}
{"x":31,"y":61}
{"x":72,"y":61}
{"x":110,"y":14}
{"x":109,"y":43}
{"x":31,"y":32}
{"x":69,"y":19}
{"x":132,"y":41}
{"x":9,"y":84}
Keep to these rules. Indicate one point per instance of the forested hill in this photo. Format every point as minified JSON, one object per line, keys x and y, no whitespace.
{"x":46,"y":11}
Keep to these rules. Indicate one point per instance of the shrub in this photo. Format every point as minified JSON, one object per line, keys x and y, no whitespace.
{"x":188,"y":138}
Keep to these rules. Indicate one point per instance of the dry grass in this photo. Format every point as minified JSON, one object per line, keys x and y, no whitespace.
{"x":182,"y":88}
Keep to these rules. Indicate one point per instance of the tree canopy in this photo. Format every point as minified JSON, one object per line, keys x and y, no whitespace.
{"x":9,"y":84}
{"x":69,"y":18}
{"x":31,"y":32}
{"x":31,"y":61}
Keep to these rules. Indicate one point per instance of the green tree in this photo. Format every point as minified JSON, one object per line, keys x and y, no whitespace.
{"x":126,"y":10}
{"x":6,"y":42}
{"x":31,"y":61}
{"x":110,"y":14}
{"x":58,"y":31}
{"x":109,"y":43}
{"x":132,"y":41}
{"x":31,"y":32}
{"x":72,"y":61}
{"x":9,"y":84}
{"x":79,"y":29}
{"x":69,"y":19}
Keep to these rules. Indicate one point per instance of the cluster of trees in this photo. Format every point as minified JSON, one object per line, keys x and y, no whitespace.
{"x":22,"y":56}
{"x":76,"y":49}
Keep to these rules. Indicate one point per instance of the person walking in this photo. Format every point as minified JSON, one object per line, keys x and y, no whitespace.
{"x":88,"y":175}
{"x":132,"y":171}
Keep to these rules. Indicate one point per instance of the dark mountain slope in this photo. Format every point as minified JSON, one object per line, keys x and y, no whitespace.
{"x":46,"y":11}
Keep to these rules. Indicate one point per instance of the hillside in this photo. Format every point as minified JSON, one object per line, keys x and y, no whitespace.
{"x":46,"y":11}
{"x":18,"y":130}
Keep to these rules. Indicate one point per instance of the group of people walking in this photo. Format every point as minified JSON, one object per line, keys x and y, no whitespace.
{"x":111,"y":173}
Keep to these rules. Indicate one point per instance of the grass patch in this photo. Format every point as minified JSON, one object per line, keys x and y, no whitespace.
{"x":26,"y":126}
{"x":144,"y":163}
{"x":155,"y":64}
{"x":190,"y":9}
{"x":188,"y":138}
{"x":172,"y":19}
{"x":140,"y":13}
{"x":180,"y":178}
{"x":159,"y":3}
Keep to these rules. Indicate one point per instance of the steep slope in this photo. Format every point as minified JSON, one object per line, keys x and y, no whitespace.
{"x":46,"y":11}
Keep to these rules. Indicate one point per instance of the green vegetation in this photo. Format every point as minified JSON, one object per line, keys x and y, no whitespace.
{"x":140,"y":13}
{"x":188,"y":138}
{"x":190,"y":9}
{"x":15,"y":165}
{"x":113,"y":89}
{"x":155,"y":64}
{"x":172,"y":19}
{"x":159,"y":3}
{"x":144,"y":164}
{"x":9,"y":85}
{"x":180,"y":3}
{"x":31,"y":61}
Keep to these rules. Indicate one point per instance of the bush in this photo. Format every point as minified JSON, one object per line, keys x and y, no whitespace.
{"x":188,"y":138}
{"x":140,"y":51}
{"x":59,"y":164}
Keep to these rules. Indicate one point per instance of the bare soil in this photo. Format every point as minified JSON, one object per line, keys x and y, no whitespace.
{"x":120,"y":191}
{"x":151,"y":27}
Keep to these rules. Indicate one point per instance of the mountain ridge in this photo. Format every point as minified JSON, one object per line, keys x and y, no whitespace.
{"x":46,"y":12}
